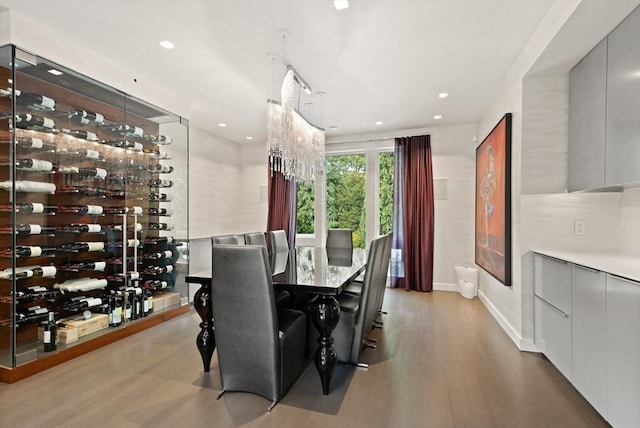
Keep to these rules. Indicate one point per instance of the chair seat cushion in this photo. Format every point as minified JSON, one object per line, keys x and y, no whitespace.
{"x":348,"y":302}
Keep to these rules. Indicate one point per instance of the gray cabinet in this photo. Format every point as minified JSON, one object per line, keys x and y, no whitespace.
{"x":623,"y":352}
{"x":623,"y":103}
{"x":552,"y":311}
{"x":604,"y":112}
{"x":587,"y":113}
{"x":588,"y":341}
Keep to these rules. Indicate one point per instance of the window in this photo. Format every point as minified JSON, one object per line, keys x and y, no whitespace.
{"x":306,"y":205}
{"x":385,"y":195}
{"x":345,"y":181}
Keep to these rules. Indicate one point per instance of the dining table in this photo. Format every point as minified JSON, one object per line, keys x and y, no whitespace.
{"x":307,"y":270}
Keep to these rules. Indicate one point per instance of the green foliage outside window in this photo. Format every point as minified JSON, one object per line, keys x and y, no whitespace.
{"x":346,"y":195}
{"x":386,"y":191}
{"x":306,"y":204}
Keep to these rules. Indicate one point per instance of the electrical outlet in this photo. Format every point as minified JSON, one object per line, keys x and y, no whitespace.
{"x":580,"y":228}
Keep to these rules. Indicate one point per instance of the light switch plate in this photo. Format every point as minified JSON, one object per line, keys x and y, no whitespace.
{"x":580,"y":228}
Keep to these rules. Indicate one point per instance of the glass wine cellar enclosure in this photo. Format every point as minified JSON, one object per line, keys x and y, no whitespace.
{"x":93,"y":211}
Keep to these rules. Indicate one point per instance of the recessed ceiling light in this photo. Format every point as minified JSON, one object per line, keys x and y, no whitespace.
{"x":167,"y":44}
{"x":55,"y":72}
{"x":379,"y":122}
{"x":341,"y":4}
{"x":222,"y":125}
{"x":443,"y":95}
{"x":437,"y":116}
{"x":249,"y":138}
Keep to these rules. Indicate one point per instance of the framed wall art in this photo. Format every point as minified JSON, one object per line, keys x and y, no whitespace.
{"x":493,"y":202}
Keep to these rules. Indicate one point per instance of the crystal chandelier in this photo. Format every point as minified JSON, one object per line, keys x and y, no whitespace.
{"x":296,"y":148}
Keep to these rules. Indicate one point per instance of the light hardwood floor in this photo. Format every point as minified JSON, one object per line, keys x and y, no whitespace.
{"x":442,"y":361}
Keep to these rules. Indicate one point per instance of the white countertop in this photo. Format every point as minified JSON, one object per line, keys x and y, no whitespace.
{"x":622,"y":265}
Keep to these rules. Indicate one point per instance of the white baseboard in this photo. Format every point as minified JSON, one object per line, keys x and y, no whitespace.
{"x":522,"y":343}
{"x":443,"y":286}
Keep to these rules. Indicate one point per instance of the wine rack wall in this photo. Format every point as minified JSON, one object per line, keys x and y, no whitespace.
{"x":84,"y":208}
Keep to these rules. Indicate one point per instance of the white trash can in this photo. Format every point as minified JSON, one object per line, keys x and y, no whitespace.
{"x":467,"y":279}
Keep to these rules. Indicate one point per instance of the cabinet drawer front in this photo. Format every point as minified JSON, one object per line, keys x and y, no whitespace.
{"x":552,"y":335}
{"x":553,"y":282}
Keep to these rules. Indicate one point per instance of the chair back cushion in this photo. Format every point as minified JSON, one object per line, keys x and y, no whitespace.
{"x":278,"y":241}
{"x":255,"y":238}
{"x":228,"y":239}
{"x":339,"y":238}
{"x":245,"y":319}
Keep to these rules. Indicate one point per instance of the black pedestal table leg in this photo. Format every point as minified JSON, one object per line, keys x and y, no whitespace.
{"x":325,"y":314}
{"x":206,"y":341}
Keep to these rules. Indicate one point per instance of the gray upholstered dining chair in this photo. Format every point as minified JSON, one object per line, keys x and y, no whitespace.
{"x":278,"y":241}
{"x":339,"y":238}
{"x":255,"y":238}
{"x":350,"y":335}
{"x":260,"y":348}
{"x":228,"y":239}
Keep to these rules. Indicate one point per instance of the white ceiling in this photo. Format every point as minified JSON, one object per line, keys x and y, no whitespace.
{"x":376,"y":61}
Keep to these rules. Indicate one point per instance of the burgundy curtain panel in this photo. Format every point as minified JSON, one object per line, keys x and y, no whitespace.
{"x":283,"y":206}
{"x":417,"y":212}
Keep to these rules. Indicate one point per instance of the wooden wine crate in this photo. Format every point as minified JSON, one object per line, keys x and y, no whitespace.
{"x":158,"y":302}
{"x":65,"y":334}
{"x":95,"y":323}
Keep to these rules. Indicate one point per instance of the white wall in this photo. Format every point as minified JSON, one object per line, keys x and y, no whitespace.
{"x":215,"y":185}
{"x":254,"y":187}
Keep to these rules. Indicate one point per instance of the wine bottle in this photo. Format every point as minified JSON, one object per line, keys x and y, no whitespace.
{"x":81,"y":209}
{"x":115,"y":210}
{"x":148,"y":302}
{"x":76,"y":266}
{"x":79,"y":247}
{"x":135,"y":304}
{"x":81,"y":284}
{"x":34,"y":122}
{"x":168,"y":254}
{"x":81,"y":228}
{"x":29,"y":186}
{"x":159,"y":154}
{"x":158,"y":270}
{"x":160,"y":226}
{"x":81,"y":302}
{"x":155,"y":284}
{"x":135,"y":210}
{"x":160,"y":183}
{"x":160,"y":197}
{"x":159,"y":139}
{"x":29,"y":208}
{"x":85,"y":172}
{"x":77,"y":133}
{"x":31,"y":314}
{"x":126,"y":144}
{"x":29,"y":272}
{"x":160,"y":169}
{"x":154,"y":240}
{"x":165,"y":212}
{"x":50,"y":337}
{"x":28,"y":229}
{"x":85,"y":117}
{"x":119,"y":278}
{"x":35,"y":165}
{"x":127,"y":307}
{"x":25,"y":251}
{"x":90,"y":154}
{"x":32,"y":143}
{"x":28,"y":98}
